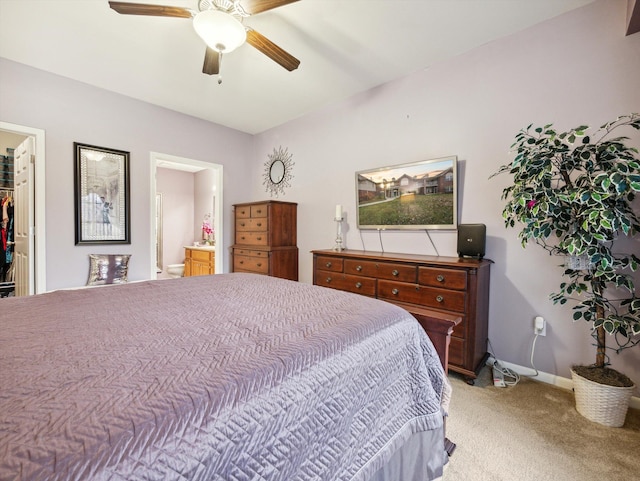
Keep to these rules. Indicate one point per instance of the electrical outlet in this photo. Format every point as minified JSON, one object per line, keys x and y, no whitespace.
{"x":539,"y":326}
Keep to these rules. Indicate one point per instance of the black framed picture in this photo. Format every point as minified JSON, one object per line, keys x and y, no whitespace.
{"x":102,"y":208}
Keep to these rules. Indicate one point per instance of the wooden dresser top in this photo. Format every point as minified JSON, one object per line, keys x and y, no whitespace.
{"x":397,"y":257}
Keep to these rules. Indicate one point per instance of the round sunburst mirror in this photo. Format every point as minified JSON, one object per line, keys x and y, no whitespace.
{"x":277,"y":171}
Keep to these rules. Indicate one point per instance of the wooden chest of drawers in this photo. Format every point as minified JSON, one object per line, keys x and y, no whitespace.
{"x":265,"y":239}
{"x":199,"y":261}
{"x":449,"y":285}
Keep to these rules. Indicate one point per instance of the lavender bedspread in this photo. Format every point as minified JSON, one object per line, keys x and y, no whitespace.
{"x":225,"y":377}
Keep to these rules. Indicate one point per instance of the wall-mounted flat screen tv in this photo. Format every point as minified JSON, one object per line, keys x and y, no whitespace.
{"x":420,"y":195}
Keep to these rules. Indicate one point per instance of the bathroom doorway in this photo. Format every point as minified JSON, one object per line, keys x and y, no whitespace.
{"x":183,"y":193}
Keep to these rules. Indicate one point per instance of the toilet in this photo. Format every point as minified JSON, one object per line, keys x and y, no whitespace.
{"x":175,"y":270}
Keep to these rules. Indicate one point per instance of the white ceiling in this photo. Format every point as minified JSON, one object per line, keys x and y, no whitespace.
{"x":345,"y":47}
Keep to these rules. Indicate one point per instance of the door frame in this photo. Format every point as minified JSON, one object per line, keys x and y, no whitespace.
{"x":39,"y":231}
{"x":157,"y":158}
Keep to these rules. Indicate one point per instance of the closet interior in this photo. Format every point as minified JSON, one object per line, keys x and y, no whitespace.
{"x":7,"y":280}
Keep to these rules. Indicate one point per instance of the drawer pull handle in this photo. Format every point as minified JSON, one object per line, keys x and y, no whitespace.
{"x":259,"y":238}
{"x":359,"y":268}
{"x":259,"y":224}
{"x":241,"y":262}
{"x":395,"y":272}
{"x":395,"y":292}
{"x":358,"y":285}
{"x":259,"y":264}
{"x":328,"y":264}
{"x":328,"y":280}
{"x":259,"y":211}
{"x":439,"y":298}
{"x":242,"y":224}
{"x":242,"y":237}
{"x":440,"y":278}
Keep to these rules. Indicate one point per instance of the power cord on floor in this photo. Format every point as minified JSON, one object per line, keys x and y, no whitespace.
{"x":502,"y":376}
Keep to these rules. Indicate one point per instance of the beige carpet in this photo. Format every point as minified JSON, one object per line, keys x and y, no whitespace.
{"x":532,"y":432}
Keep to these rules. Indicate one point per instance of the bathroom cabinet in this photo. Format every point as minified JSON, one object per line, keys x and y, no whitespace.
{"x":199,"y":261}
{"x":265,"y":239}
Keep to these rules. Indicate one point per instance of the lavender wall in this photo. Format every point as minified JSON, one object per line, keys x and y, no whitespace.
{"x":71,"y":111}
{"x":574,"y":69}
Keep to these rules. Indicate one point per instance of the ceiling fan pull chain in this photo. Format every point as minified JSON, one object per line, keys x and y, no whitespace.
{"x":220,"y":69}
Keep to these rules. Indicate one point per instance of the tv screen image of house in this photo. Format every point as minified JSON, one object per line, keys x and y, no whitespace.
{"x":419,"y":195}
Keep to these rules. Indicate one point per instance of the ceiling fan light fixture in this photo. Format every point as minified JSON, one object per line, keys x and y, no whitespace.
{"x":220,"y":31}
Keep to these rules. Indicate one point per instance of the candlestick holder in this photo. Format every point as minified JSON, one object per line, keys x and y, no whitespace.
{"x":338,"y":247}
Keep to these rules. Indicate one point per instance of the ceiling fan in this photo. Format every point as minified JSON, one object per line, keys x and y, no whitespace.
{"x":219,"y":24}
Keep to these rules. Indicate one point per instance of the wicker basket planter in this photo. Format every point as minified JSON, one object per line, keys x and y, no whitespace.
{"x":600,"y":403}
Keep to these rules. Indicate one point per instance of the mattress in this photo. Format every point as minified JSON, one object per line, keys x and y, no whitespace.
{"x":225,"y":377}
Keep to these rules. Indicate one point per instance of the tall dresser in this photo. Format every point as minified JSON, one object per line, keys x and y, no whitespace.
{"x":453,"y":286}
{"x":265,"y":239}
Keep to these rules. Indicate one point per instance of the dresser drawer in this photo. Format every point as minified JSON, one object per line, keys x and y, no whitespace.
{"x":343,"y":282}
{"x":259,"y":225}
{"x":425,"y":296}
{"x":329,"y":263}
{"x":252,"y":238}
{"x":460,"y":330}
{"x":381,"y":270}
{"x":243,"y":212}
{"x":259,"y":210}
{"x":456,"y":351}
{"x":445,"y":278}
{"x":250,"y":264}
{"x":198,"y":255}
{"x":249,"y":252}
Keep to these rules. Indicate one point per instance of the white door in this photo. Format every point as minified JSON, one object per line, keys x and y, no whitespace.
{"x":24,"y":218}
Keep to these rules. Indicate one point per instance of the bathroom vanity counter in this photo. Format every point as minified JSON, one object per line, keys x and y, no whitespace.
{"x":199,"y":260}
{"x":202,"y":248}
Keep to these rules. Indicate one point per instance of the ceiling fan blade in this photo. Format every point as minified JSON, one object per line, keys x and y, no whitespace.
{"x":126,"y":8}
{"x":256,"y":6}
{"x":211,"y":62}
{"x":271,"y":50}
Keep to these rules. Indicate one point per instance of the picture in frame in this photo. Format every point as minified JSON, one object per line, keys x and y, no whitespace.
{"x":102,"y":208}
{"x":418,"y":195}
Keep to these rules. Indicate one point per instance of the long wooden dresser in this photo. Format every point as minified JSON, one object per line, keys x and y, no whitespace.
{"x":265,"y":239}
{"x":455,"y":287}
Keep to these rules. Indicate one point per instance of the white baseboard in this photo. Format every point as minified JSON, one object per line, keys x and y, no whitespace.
{"x":559,"y":381}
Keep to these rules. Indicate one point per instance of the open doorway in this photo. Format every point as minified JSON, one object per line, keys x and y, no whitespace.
{"x":26,"y":186}
{"x":177,"y":210}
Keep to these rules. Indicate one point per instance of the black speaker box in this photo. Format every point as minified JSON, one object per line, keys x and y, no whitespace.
{"x":471,"y":240}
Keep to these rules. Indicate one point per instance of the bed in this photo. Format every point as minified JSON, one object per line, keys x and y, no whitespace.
{"x":225,"y":377}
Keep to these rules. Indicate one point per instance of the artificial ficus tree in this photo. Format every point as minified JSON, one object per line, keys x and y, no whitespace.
{"x":573,"y":194}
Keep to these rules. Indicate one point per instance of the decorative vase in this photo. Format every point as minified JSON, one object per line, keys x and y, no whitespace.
{"x":600,"y":403}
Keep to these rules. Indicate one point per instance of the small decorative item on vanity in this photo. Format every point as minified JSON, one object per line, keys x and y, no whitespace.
{"x":339,"y":218}
{"x":208,"y":237}
{"x":573,"y":194}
